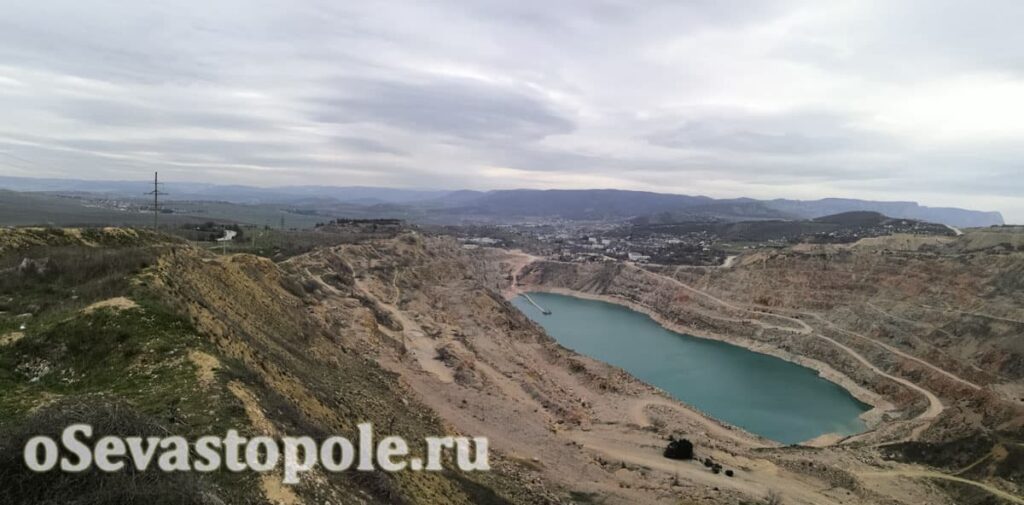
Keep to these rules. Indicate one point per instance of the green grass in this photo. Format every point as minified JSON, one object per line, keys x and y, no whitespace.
{"x":129,"y":367}
{"x":126,"y":370}
{"x":64,"y":278}
{"x":45,"y":209}
{"x":134,"y":353}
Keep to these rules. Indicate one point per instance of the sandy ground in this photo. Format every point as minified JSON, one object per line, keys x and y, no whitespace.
{"x":274,"y":490}
{"x":422,"y":347}
{"x":927,"y":474}
{"x":729,"y":261}
{"x":11,"y":338}
{"x":117,"y":303}
{"x":205,"y":365}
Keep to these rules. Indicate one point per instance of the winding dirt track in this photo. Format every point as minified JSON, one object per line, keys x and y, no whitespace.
{"x":925,"y":326}
{"x":935,"y":406}
{"x":805,"y":329}
{"x":925,"y":474}
{"x":896,"y":351}
{"x":638,"y":415}
{"x":422,"y":347}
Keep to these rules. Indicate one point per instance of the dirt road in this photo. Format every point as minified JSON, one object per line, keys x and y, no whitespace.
{"x":935,"y":406}
{"x":925,"y":474}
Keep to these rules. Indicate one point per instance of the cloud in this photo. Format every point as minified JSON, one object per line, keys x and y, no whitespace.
{"x":908,"y":100}
{"x":790,"y":133}
{"x":367,"y":145}
{"x":111,"y":113}
{"x":463,"y":109}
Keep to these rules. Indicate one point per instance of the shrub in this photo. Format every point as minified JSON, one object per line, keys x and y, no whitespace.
{"x":679,"y":449}
{"x":23,"y":486}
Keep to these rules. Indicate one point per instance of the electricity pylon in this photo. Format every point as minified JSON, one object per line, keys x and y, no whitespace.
{"x":156,"y":200}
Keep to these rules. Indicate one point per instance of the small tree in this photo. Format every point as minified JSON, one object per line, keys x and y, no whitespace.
{"x":679,"y":449}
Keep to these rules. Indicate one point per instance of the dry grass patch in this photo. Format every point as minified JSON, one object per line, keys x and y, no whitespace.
{"x":117,"y":303}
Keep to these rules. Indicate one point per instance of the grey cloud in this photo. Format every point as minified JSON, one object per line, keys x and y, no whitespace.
{"x":274,"y":155}
{"x":458,"y":108}
{"x":186,"y":150}
{"x":785,"y":133}
{"x":366,"y":145}
{"x":582,"y":15}
{"x":914,"y":39}
{"x":109,"y":112}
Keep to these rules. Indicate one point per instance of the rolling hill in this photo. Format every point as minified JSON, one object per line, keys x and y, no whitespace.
{"x":441,"y":206}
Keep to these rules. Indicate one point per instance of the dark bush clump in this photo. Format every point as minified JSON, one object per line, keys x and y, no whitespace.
{"x":23,"y":486}
{"x":680,"y":449}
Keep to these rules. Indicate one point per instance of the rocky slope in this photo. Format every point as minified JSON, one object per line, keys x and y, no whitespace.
{"x":190,"y":343}
{"x":415,"y":334}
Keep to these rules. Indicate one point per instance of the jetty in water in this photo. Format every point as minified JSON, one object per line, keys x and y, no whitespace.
{"x":542,"y":310}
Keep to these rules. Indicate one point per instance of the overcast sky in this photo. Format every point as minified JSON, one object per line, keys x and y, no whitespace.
{"x":902,"y":100}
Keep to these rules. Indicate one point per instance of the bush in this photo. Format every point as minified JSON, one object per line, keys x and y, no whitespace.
{"x":46,"y":276}
{"x":679,"y":449}
{"x":153,"y":487}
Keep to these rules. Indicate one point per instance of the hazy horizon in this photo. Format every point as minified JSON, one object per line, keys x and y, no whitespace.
{"x":148,"y":182}
{"x":902,"y":101}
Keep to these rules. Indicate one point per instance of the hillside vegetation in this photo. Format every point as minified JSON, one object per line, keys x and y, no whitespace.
{"x":140,"y":334}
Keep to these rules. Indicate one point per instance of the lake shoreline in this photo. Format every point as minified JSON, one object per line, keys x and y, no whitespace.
{"x":871,"y":418}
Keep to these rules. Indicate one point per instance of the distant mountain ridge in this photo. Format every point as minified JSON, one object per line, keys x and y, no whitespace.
{"x":584,"y":204}
{"x":233,"y":193}
{"x":907,"y":210}
{"x":661,"y":207}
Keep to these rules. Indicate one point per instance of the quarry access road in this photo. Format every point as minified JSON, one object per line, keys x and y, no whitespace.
{"x":935,"y":406}
{"x":925,"y":474}
{"x":805,"y":329}
{"x":895,"y":351}
{"x":926,"y":326}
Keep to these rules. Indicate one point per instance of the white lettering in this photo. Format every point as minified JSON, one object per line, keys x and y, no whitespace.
{"x":270,"y":452}
{"x":80,"y":450}
{"x":292,"y":465}
{"x":106,"y":448}
{"x":31,"y":454}
{"x":327,"y":454}
{"x":390,"y":447}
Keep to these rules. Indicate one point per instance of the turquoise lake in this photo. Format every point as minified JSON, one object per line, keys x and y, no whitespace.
{"x":762,"y":394}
